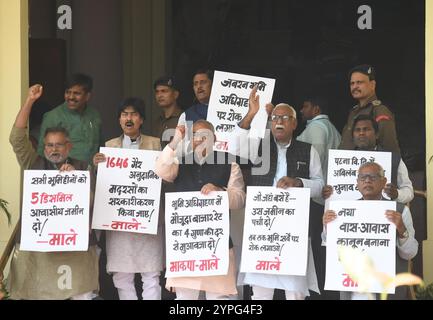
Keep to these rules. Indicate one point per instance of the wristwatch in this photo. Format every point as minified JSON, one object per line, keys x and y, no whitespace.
{"x":405,"y":235}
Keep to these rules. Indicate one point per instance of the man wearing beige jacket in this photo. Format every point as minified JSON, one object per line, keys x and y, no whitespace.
{"x":131,"y":253}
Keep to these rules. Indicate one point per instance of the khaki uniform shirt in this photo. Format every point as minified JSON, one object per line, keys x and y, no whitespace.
{"x":385,"y":119}
{"x":166,"y":123}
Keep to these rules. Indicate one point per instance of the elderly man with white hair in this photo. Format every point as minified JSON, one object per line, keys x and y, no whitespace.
{"x":291,"y":164}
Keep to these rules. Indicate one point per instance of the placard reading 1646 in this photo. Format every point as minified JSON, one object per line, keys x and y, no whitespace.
{"x":127,"y":192}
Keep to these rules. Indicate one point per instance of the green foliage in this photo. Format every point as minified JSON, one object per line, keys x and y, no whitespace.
{"x":4,"y":208}
{"x":424,"y":293}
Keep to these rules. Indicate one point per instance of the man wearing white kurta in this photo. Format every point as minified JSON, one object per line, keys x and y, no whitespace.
{"x":371,"y":181}
{"x":131,"y":253}
{"x":203,"y":171}
{"x":291,"y":164}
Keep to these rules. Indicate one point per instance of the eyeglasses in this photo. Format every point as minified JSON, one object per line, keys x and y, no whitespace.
{"x":55,"y":145}
{"x":275,"y":117}
{"x":373,"y":177}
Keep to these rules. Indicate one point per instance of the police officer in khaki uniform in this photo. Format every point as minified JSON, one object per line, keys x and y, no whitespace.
{"x":363,"y":89}
{"x":166,"y":95}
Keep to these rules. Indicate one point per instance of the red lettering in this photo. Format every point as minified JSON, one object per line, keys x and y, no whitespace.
{"x":117,"y":163}
{"x":35,"y":198}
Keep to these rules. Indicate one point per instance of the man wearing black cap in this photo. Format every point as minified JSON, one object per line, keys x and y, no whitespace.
{"x":363,"y":89}
{"x":166,"y":95}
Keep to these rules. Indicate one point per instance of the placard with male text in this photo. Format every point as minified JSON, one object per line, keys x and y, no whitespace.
{"x":197,"y":230}
{"x":361,"y":225}
{"x":276,"y":231}
{"x":55,"y":211}
{"x":128,"y":191}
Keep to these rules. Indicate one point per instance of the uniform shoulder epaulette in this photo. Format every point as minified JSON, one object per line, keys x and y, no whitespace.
{"x":376,"y":103}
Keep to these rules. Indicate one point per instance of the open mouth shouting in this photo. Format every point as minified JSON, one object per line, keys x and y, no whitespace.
{"x":129,"y":124}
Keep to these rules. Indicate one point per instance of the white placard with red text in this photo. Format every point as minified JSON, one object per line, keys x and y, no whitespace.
{"x":128,"y":191}
{"x":197,"y":234}
{"x":361,"y":225}
{"x":276,"y":231}
{"x":55,"y":211}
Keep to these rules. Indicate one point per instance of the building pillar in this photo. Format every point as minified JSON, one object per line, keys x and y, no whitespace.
{"x":428,"y":244}
{"x":94,"y":47}
{"x":144,"y":51}
{"x":14,"y":83}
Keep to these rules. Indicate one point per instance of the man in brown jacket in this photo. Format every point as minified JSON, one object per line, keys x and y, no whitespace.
{"x":35,"y":275}
{"x":130,"y":253}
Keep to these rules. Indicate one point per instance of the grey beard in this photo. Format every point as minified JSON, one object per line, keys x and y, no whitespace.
{"x":56,"y":162}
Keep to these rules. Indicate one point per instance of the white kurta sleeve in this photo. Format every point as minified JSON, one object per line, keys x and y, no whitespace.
{"x":167,"y":165}
{"x":315,"y":183}
{"x":407,"y":248}
{"x":404,"y":185}
{"x":236,"y":188}
{"x":244,"y":145}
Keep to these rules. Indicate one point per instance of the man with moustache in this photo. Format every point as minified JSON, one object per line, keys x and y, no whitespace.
{"x":202,"y":86}
{"x":363,"y":89}
{"x":130,"y":253}
{"x":293,"y":164}
{"x":34,"y":275}
{"x":371,"y":181}
{"x":166,"y":95}
{"x":81,"y":120}
{"x":365,"y":138}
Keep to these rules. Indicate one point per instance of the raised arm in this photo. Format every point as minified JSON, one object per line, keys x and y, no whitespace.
{"x":18,"y":138}
{"x":35,"y":92}
{"x":167,"y":164}
{"x":253,"y":108}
